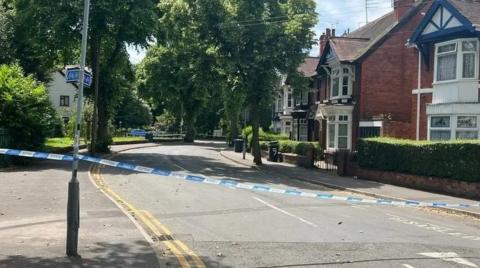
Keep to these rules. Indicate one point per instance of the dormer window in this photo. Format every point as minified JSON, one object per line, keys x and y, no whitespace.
{"x":341,"y":86}
{"x":456,"y":60}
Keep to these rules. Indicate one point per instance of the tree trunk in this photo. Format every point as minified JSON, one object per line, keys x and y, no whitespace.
{"x":104,"y":138}
{"x":190,"y":131}
{"x":96,"y":84}
{"x":255,"y":117}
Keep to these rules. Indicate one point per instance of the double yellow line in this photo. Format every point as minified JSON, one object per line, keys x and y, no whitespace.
{"x":159,"y":232}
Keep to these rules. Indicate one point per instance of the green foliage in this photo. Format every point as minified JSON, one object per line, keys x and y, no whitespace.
{"x":25,"y":109}
{"x":6,"y":32}
{"x":86,"y":117}
{"x":167,"y":122}
{"x":257,"y":52}
{"x":264,"y":136}
{"x":458,"y":160}
{"x":180,"y":73}
{"x":56,"y":127}
{"x":48,"y":34}
{"x":296,"y":147}
{"x":133,"y":112}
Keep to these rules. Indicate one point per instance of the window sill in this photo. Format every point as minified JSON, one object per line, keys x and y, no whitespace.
{"x":341,"y":97}
{"x":474,"y":80}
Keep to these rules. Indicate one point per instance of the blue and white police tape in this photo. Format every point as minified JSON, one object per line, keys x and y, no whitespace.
{"x":230,"y":183}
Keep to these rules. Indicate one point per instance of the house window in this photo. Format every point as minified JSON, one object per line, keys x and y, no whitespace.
{"x":456,"y":60}
{"x":65,"y":101}
{"x":289,"y":100}
{"x":305,"y":98}
{"x":65,"y":120}
{"x":440,"y":128}
{"x":338,"y":132}
{"x":369,"y":132}
{"x":469,"y":54}
{"x":466,"y":128}
{"x":341,"y":82}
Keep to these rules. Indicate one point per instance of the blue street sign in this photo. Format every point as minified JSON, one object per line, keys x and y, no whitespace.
{"x":72,"y":76}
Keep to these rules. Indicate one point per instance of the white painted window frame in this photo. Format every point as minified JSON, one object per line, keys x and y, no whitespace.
{"x":336,"y":124}
{"x":459,"y":53}
{"x":289,"y":98}
{"x":341,"y":76}
{"x":453,"y":125}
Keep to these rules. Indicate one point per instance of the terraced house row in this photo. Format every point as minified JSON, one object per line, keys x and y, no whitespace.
{"x":413,"y":73}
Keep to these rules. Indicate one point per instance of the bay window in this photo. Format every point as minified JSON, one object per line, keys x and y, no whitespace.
{"x":338,"y":132}
{"x":461,"y":127}
{"x":456,"y":60}
{"x":341,"y":84}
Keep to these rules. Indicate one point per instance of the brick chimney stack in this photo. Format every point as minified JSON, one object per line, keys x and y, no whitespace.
{"x":329,"y":33}
{"x":401,"y":7}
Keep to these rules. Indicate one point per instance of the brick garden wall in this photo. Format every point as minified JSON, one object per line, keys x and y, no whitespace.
{"x":431,"y":184}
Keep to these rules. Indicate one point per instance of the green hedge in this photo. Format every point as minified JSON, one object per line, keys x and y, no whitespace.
{"x":459,"y":160}
{"x":263,"y":136}
{"x":296,"y":147}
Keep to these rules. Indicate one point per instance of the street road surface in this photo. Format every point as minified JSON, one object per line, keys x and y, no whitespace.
{"x":208,"y":225}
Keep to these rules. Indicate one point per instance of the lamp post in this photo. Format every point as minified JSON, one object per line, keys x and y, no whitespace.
{"x":73,"y":206}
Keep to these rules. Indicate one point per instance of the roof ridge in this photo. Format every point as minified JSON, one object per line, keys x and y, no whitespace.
{"x":372,"y":22}
{"x":351,"y":38}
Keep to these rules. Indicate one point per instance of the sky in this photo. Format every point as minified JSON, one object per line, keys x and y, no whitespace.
{"x":342,"y":15}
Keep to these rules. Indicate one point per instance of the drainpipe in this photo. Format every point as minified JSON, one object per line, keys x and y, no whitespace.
{"x":419,"y":92}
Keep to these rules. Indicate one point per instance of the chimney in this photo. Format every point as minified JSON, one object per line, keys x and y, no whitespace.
{"x":329,"y":33}
{"x":401,"y":7}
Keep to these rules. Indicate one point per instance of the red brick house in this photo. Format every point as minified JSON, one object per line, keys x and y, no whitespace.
{"x":367,"y":80}
{"x":447,"y":40}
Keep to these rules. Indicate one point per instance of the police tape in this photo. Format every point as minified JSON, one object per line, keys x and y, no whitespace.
{"x":228,"y":182}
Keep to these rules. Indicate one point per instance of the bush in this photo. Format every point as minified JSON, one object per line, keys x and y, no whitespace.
{"x":263,"y":136}
{"x":25,"y":110}
{"x":296,"y":147}
{"x":458,"y":160}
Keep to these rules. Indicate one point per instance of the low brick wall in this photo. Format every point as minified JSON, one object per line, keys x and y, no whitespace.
{"x":431,"y":184}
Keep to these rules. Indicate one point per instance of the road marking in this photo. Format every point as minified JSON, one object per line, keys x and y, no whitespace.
{"x":285,"y":212}
{"x":450,"y":257}
{"x":152,"y":224}
{"x":198,"y":261}
{"x":407,"y":265}
{"x":433,"y":227}
{"x":181,"y":258}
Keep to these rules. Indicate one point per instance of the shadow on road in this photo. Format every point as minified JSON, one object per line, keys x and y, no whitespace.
{"x":206,"y":160}
{"x":138,"y":254}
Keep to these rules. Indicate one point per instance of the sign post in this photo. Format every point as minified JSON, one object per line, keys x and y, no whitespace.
{"x":73,"y":206}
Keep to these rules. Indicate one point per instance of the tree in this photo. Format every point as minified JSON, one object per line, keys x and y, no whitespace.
{"x":180,"y":71}
{"x":47,"y":35}
{"x":261,"y":39}
{"x":6,"y":32}
{"x":25,"y":109}
{"x":133,"y":112}
{"x":43,"y":43}
{"x":233,"y":101}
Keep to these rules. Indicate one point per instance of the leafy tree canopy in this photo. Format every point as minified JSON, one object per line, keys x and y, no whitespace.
{"x":25,"y":109}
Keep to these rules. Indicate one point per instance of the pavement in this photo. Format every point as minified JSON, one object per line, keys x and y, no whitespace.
{"x":354,"y":185}
{"x":131,"y":219}
{"x":33,"y":201}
